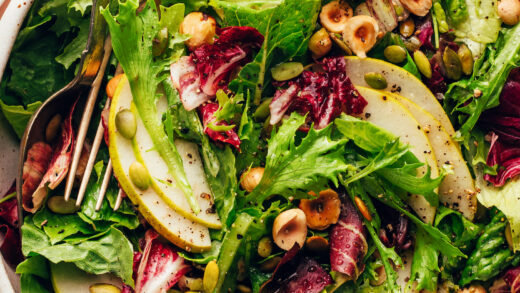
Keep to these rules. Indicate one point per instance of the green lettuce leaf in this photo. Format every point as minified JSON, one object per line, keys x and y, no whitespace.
{"x":306,"y":166}
{"x":482,"y":23}
{"x":73,"y":50}
{"x":425,"y":263}
{"x":18,"y":116}
{"x":286,"y":28}
{"x":506,"y":200}
{"x":132,"y":41}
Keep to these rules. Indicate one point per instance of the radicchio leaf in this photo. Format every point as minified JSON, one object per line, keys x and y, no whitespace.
{"x":209,"y":67}
{"x":208,"y":116}
{"x":160,"y":266}
{"x":425,"y":29}
{"x":10,"y":246}
{"x":324,"y":95}
{"x":35,"y":166}
{"x":296,"y":273}
{"x":395,"y":233}
{"x":348,"y":244}
{"x":512,"y":278}
{"x":499,"y":286}
{"x":59,"y":165}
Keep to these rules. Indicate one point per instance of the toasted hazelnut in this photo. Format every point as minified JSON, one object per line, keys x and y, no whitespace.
{"x":201,"y":27}
{"x":509,"y":11}
{"x":334,"y":16}
{"x":360,"y":34}
{"x":112,"y":85}
{"x":250,"y":179}
{"x":317,"y":244}
{"x":322,"y":211}
{"x":289,"y":228}
{"x":418,"y":7}
{"x":474,"y":289}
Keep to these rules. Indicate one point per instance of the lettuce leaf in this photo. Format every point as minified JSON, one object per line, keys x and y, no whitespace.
{"x":425,"y":263}
{"x":482,"y":23}
{"x":286,"y":28}
{"x":18,"y":116}
{"x":306,"y":166}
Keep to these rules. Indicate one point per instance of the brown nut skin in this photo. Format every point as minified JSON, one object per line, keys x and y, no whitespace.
{"x":320,"y":43}
{"x":360,"y":34}
{"x":334,"y":16}
{"x":250,"y":179}
{"x":509,"y":11}
{"x":474,"y":289}
{"x":322,"y":211}
{"x":201,"y":27}
{"x":317,"y":244}
{"x":418,"y":7}
{"x":112,"y":85}
{"x":289,"y":228}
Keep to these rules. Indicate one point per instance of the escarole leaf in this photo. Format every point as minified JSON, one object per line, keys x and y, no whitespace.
{"x":305,"y":166}
{"x":489,"y":76}
{"x":132,"y":40}
{"x":286,"y":28}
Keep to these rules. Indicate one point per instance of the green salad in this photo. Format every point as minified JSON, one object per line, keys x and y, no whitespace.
{"x":273,"y":146}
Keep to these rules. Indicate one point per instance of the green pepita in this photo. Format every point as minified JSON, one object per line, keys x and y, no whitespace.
{"x":263,"y":110}
{"x":52,"y":128}
{"x":126,"y":123}
{"x":265,"y":246}
{"x":423,"y":64}
{"x":395,"y":54}
{"x":320,"y":43}
{"x":210,"y":279}
{"x":466,"y":59}
{"x":376,"y":80}
{"x":191,"y":284}
{"x":452,"y":64}
{"x":160,"y":42}
{"x":440,"y":16}
{"x":58,"y":205}
{"x":104,"y":288}
{"x":412,"y":44}
{"x":407,"y":28}
{"x":139,"y":175}
{"x":286,"y":71}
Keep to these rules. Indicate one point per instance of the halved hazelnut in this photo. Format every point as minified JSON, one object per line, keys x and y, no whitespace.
{"x":360,"y":34}
{"x":322,"y":211}
{"x":418,"y":7}
{"x":317,"y":244}
{"x":334,"y":16}
{"x":289,"y":228}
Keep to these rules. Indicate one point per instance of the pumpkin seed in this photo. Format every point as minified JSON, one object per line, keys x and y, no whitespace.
{"x":440,"y":16}
{"x":192,"y":284}
{"x":58,"y":205}
{"x":286,"y":71}
{"x":452,"y":64}
{"x":376,"y":80}
{"x":320,"y":43}
{"x":395,"y":54}
{"x":270,"y":264}
{"x":126,"y":123}
{"x":52,"y":128}
{"x":265,"y":247}
{"x":466,"y":59}
{"x":104,"y":288}
{"x":160,"y":42}
{"x":407,"y":28}
{"x":263,"y":110}
{"x":423,"y":64}
{"x":210,"y":279}
{"x":412,"y":44}
{"x":139,"y":175}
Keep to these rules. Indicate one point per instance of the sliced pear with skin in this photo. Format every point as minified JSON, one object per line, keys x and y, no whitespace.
{"x":386,"y":112}
{"x":181,"y":231}
{"x":66,"y":278}
{"x":457,"y":190}
{"x":400,"y":82}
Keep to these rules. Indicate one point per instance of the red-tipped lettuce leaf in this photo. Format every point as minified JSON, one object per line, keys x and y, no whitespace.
{"x":506,"y":157}
{"x":296,"y":273}
{"x":208,"y":116}
{"x":348,"y":245}
{"x":512,"y":278}
{"x":187,"y":81}
{"x":324,"y":95}
{"x":160,"y":266}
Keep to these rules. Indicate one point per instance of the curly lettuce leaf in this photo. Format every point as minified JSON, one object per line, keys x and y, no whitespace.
{"x":306,"y":166}
{"x":18,"y":116}
{"x":425,"y":263}
{"x":286,"y":28}
{"x":132,"y":36}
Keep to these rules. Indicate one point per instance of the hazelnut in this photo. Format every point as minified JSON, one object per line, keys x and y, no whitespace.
{"x":289,"y":228}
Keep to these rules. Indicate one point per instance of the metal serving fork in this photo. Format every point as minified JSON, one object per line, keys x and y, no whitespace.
{"x":93,"y":62}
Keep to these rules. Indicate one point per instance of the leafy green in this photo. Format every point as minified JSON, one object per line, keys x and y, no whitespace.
{"x":506,"y":200}
{"x":111,"y":252}
{"x":73,"y":50}
{"x":286,"y":28}
{"x":258,"y":278}
{"x":229,"y":107}
{"x":394,"y":39}
{"x":425,"y":263}
{"x":32,"y":284}
{"x":489,"y":76}
{"x":18,"y":116}
{"x":34,"y":265}
{"x":132,"y":41}
{"x":476,"y":20}
{"x":491,"y":254}
{"x":456,"y":11}
{"x":204,"y":257}
{"x":305,"y":166}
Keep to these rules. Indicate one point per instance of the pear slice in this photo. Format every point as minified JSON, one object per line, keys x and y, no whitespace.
{"x":458,"y":189}
{"x":386,"y":112}
{"x":180,"y":230}
{"x":400,"y":82}
{"x":66,"y":278}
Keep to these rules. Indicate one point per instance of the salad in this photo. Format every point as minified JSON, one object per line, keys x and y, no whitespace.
{"x":274,"y":146}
